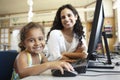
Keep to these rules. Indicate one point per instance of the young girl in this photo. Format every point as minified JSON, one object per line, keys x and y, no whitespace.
{"x":31,"y":61}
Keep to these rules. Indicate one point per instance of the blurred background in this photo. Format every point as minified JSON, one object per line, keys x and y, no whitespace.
{"x":14,"y":14}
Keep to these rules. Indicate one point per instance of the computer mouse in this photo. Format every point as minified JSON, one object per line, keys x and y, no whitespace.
{"x":117,"y":63}
{"x":66,"y":73}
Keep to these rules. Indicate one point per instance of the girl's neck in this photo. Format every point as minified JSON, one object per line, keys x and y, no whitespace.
{"x":33,"y":54}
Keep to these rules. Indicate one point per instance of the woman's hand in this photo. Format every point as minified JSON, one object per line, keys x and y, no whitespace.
{"x":80,"y":48}
{"x":67,"y":59}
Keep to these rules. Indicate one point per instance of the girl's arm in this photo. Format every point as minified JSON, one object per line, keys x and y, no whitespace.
{"x":24,"y":70}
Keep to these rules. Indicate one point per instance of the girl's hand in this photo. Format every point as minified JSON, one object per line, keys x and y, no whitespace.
{"x":60,"y":65}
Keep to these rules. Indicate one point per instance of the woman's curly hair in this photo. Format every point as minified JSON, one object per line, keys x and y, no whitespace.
{"x":78,"y":28}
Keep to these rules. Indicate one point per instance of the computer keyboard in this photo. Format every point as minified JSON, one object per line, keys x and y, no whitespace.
{"x":80,"y":65}
{"x":78,"y":62}
{"x":100,"y":56}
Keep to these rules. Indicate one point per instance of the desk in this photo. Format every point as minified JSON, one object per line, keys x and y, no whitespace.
{"x":89,"y":75}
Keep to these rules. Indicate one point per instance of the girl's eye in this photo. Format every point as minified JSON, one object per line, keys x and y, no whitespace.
{"x":40,"y":39}
{"x":31,"y":40}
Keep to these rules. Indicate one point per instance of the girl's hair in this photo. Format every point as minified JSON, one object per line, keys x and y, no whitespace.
{"x":25,"y":30}
{"x":78,"y":28}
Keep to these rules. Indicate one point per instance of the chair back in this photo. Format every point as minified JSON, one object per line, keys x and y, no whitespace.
{"x":7,"y":59}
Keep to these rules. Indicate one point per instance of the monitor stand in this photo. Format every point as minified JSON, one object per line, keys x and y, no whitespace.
{"x":108,"y":64}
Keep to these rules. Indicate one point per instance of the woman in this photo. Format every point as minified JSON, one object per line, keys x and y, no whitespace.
{"x":65,"y":40}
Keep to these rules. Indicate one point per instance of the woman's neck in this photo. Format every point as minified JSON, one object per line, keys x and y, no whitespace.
{"x":67,"y":32}
{"x":68,"y":35}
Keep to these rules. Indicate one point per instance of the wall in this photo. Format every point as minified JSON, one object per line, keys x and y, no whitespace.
{"x":86,"y":15}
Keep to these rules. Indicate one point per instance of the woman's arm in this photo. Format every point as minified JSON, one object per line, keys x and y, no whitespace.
{"x":80,"y":52}
{"x":75,"y":55}
{"x":54,"y":46}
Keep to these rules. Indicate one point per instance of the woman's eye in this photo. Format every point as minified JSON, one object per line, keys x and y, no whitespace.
{"x":69,"y":15}
{"x":63,"y":17}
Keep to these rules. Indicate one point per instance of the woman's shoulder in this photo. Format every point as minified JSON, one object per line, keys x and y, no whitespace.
{"x":55,"y":32}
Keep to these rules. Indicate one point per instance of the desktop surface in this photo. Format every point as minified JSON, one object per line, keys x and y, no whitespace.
{"x":91,"y":74}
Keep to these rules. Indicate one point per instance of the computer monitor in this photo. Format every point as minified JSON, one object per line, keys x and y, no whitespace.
{"x":96,"y":30}
{"x":95,"y":36}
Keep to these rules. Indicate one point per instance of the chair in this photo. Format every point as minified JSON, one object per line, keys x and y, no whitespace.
{"x":6,"y":63}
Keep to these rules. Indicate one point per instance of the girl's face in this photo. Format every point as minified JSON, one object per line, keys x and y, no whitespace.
{"x":68,"y":19}
{"x":34,"y":41}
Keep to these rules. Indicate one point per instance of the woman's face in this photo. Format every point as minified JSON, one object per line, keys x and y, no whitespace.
{"x":34,"y":41}
{"x":68,"y":19}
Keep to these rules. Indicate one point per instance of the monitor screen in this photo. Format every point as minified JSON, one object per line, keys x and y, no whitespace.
{"x":96,"y":30}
